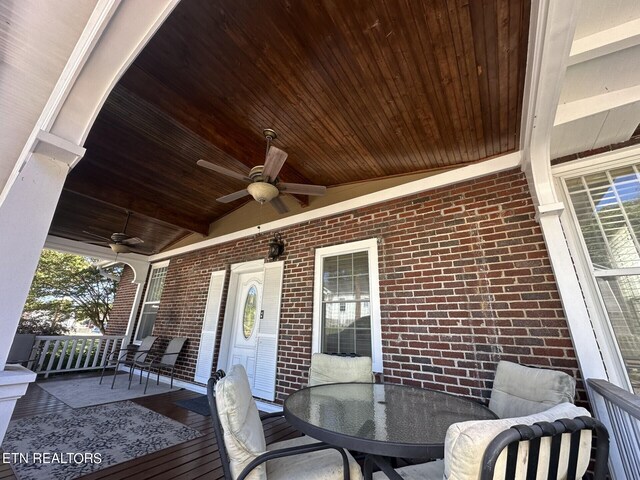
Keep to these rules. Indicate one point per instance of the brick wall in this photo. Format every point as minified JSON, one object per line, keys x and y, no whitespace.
{"x":465,"y":280}
{"x":119,"y":315}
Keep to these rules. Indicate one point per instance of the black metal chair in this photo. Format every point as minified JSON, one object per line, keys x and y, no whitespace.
{"x":166,"y":361}
{"x":511,"y":438}
{"x":127,"y":356}
{"x":269,"y":455}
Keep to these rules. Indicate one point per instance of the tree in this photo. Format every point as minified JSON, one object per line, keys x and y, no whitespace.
{"x":67,"y":287}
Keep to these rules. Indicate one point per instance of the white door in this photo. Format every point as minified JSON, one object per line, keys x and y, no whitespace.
{"x":246,"y":323}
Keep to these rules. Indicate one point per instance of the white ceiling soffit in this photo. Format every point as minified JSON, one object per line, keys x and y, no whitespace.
{"x":37,"y":39}
{"x":600,"y":100}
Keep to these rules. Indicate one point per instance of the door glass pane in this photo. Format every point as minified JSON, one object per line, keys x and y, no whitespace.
{"x":249,"y":316}
{"x":621,"y":297}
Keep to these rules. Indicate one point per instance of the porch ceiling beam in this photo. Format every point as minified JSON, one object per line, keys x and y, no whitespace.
{"x":605,"y":42}
{"x":127,"y":201}
{"x":585,"y":107}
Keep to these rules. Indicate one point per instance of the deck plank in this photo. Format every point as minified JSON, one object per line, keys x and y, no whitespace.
{"x":197,"y":458}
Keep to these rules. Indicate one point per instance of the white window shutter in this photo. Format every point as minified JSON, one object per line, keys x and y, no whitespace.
{"x":209,"y":327}
{"x":267,"y":349}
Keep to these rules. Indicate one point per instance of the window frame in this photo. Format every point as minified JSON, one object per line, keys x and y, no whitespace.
{"x":587,"y":274}
{"x":155,"y":266}
{"x":371,"y":247}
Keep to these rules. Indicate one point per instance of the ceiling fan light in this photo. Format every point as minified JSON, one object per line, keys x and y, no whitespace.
{"x":119,"y":248}
{"x":263,"y":192}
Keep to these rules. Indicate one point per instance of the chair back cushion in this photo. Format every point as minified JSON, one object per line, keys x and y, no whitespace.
{"x":21,"y":347}
{"x":240,"y":420}
{"x":336,"y":369}
{"x":174,"y":347}
{"x":519,"y":390}
{"x":145,"y":346}
{"x":466,"y":442}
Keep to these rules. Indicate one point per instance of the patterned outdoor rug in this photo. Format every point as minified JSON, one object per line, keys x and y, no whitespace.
{"x":86,"y":391}
{"x":71,"y":444}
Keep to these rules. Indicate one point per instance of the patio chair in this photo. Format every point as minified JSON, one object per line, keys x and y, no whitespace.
{"x":339,"y":369}
{"x":519,"y":390}
{"x":548,"y":445}
{"x":22,"y":351}
{"x":126,"y":356}
{"x":165,"y":362}
{"x":242,"y":446}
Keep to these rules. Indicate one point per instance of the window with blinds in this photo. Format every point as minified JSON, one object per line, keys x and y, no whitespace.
{"x":151,"y":302}
{"x":346,"y":312}
{"x":606,"y":206}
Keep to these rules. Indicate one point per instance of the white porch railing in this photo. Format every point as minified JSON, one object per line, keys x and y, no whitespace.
{"x":623,"y":411}
{"x":67,"y":353}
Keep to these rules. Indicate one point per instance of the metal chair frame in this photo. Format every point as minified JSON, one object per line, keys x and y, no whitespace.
{"x":157,"y":362}
{"x":284,"y":452}
{"x":120,"y":357}
{"x":511,"y":438}
{"x":534,"y":434}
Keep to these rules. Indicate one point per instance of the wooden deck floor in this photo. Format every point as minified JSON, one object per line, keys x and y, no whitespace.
{"x":194,"y":459}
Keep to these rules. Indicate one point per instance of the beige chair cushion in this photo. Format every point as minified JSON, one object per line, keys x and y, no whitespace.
{"x":322,"y":465}
{"x":243,"y":432}
{"x":519,"y":390}
{"x":336,"y":369}
{"x":424,"y":471}
{"x":466,"y":443}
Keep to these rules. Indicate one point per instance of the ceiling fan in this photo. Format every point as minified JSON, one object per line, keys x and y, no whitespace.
{"x":264,"y":185}
{"x":119,"y":242}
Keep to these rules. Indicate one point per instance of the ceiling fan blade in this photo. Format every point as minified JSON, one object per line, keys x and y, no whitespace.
{"x":223,"y":171}
{"x":106,"y":239}
{"x":274,"y":162}
{"x":302,"y":189}
{"x":132,"y":241}
{"x":233,"y":196}
{"x":279,"y":205}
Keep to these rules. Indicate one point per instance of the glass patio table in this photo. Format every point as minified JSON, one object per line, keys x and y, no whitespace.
{"x":380,"y":419}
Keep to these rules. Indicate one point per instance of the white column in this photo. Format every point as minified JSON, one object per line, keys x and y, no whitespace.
{"x":26,"y":212}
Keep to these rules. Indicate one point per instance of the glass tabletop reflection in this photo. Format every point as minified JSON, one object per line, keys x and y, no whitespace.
{"x":375,"y":415}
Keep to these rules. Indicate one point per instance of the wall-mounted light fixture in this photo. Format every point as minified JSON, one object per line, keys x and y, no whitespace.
{"x":276,"y":247}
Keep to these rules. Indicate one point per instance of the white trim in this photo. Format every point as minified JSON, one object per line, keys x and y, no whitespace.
{"x":605,"y":42}
{"x":617,"y":272}
{"x":57,"y":148}
{"x":132,"y":314}
{"x":462,"y":174}
{"x":583,"y":166}
{"x":371,"y":247}
{"x":98,"y":21}
{"x":230,"y":306}
{"x":155,"y":266}
{"x":586,"y":107}
{"x":138,"y":263}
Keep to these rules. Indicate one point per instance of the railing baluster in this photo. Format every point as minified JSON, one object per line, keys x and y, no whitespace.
{"x":623,"y":422}
{"x":88,"y":353}
{"x":72,"y":354}
{"x":97,"y":354}
{"x":65,"y":353}
{"x":54,"y":350}
{"x":80,"y":353}
{"x":43,"y":356}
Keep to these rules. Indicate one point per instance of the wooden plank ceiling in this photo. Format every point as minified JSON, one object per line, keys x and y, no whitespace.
{"x":356,"y":90}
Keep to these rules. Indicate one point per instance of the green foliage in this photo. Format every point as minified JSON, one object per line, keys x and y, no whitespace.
{"x":67,"y":287}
